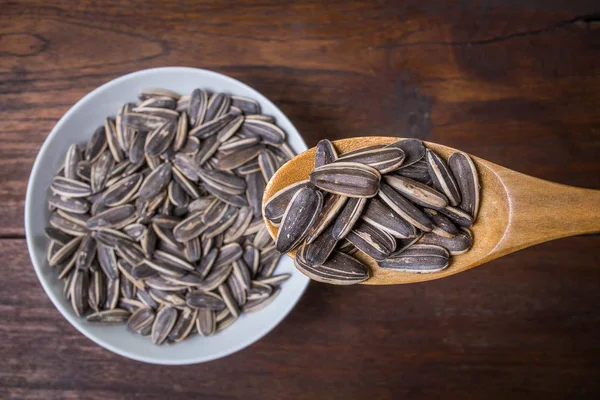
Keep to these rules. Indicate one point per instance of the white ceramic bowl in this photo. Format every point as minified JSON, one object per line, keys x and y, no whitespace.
{"x":77,"y":126}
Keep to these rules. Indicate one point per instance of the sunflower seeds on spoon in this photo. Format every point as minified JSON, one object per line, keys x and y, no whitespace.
{"x":407,"y":222}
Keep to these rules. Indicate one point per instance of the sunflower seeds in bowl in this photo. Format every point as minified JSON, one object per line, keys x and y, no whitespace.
{"x":154,"y":223}
{"x":401,"y":204}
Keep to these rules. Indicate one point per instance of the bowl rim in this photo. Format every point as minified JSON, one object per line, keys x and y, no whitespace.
{"x":240,"y":345}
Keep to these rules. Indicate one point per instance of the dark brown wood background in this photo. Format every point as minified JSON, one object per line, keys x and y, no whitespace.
{"x":514,"y":81}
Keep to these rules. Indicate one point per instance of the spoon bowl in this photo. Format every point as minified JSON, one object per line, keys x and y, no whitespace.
{"x":516,"y":211}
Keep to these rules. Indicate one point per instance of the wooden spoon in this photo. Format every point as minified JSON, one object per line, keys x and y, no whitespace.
{"x":516,"y":211}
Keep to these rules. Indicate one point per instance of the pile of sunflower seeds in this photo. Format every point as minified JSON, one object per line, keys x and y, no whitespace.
{"x":157,"y":223}
{"x":401,"y":204}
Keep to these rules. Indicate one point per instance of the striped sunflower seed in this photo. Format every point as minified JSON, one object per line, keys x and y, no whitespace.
{"x":465,"y":172}
{"x":419,"y":258}
{"x":417,"y":192}
{"x":371,"y":240}
{"x":339,"y":269}
{"x":442,"y":177}
{"x":378,"y":214}
{"x":163,"y":324}
{"x":347,"y":179}
{"x":325,"y":153}
{"x":275,"y":207}
{"x":299,"y":216}
{"x":413,"y":149}
{"x":459,"y":244}
{"x":384,"y":160}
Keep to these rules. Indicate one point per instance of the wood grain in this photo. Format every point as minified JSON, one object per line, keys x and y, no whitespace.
{"x":513,"y":82}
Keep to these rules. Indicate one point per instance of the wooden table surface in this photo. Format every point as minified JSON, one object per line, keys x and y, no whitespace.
{"x":514,"y":82}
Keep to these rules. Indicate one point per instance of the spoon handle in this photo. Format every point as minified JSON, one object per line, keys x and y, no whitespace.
{"x":540,"y":211}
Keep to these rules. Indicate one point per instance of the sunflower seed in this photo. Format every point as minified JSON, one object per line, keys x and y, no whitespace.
{"x":442,"y":224}
{"x":163,"y":324}
{"x":112,"y":140}
{"x":417,"y":171}
{"x":378,"y":214}
{"x":156,"y":182}
{"x":256,"y":305}
{"x":412,"y":148}
{"x":201,"y":299}
{"x":371,"y":240}
{"x":112,"y":293}
{"x":325,"y":153}
{"x":57,"y":235}
{"x":116,"y":316}
{"x":347,"y":179}
{"x":317,"y":251}
{"x":184,"y":325}
{"x":218,"y":104}
{"x":251,"y":258}
{"x":404,"y":208}
{"x":225,"y":181}
{"x":458,"y":216}
{"x":248,"y":168}
{"x":276,"y":205}
{"x":442,"y":177}
{"x":63,"y":253}
{"x":270,"y":133}
{"x":73,"y":205}
{"x":66,"y":226}
{"x":136,"y":151}
{"x":187,"y":167}
{"x":86,"y":252}
{"x":116,"y":217}
{"x":211,"y":127}
{"x":97,"y":290}
{"x":248,"y":106}
{"x":348,"y":216}
{"x":384,"y":160}
{"x":339,"y":269}
{"x":276,"y":280}
{"x":459,"y":244}
{"x":268,"y":164}
{"x":208,"y":148}
{"x":191,"y":146}
{"x":122,"y":191}
{"x":255,"y":184}
{"x":205,"y":322}
{"x":70,"y":188}
{"x":236,"y":159}
{"x":160,"y":139}
{"x":237,"y":143}
{"x":417,"y":192}
{"x":299,"y":216}
{"x":96,"y":146}
{"x":419,"y":258}
{"x":239,"y":226}
{"x":229,"y":300}
{"x":140,"y":319}
{"x":230,"y":129}
{"x":465,"y":172}
{"x":79,"y":291}
{"x":332,"y":206}
{"x":72,"y":159}
{"x":84,"y":171}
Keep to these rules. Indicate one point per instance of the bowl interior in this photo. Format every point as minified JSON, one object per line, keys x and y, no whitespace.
{"x":77,"y":126}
